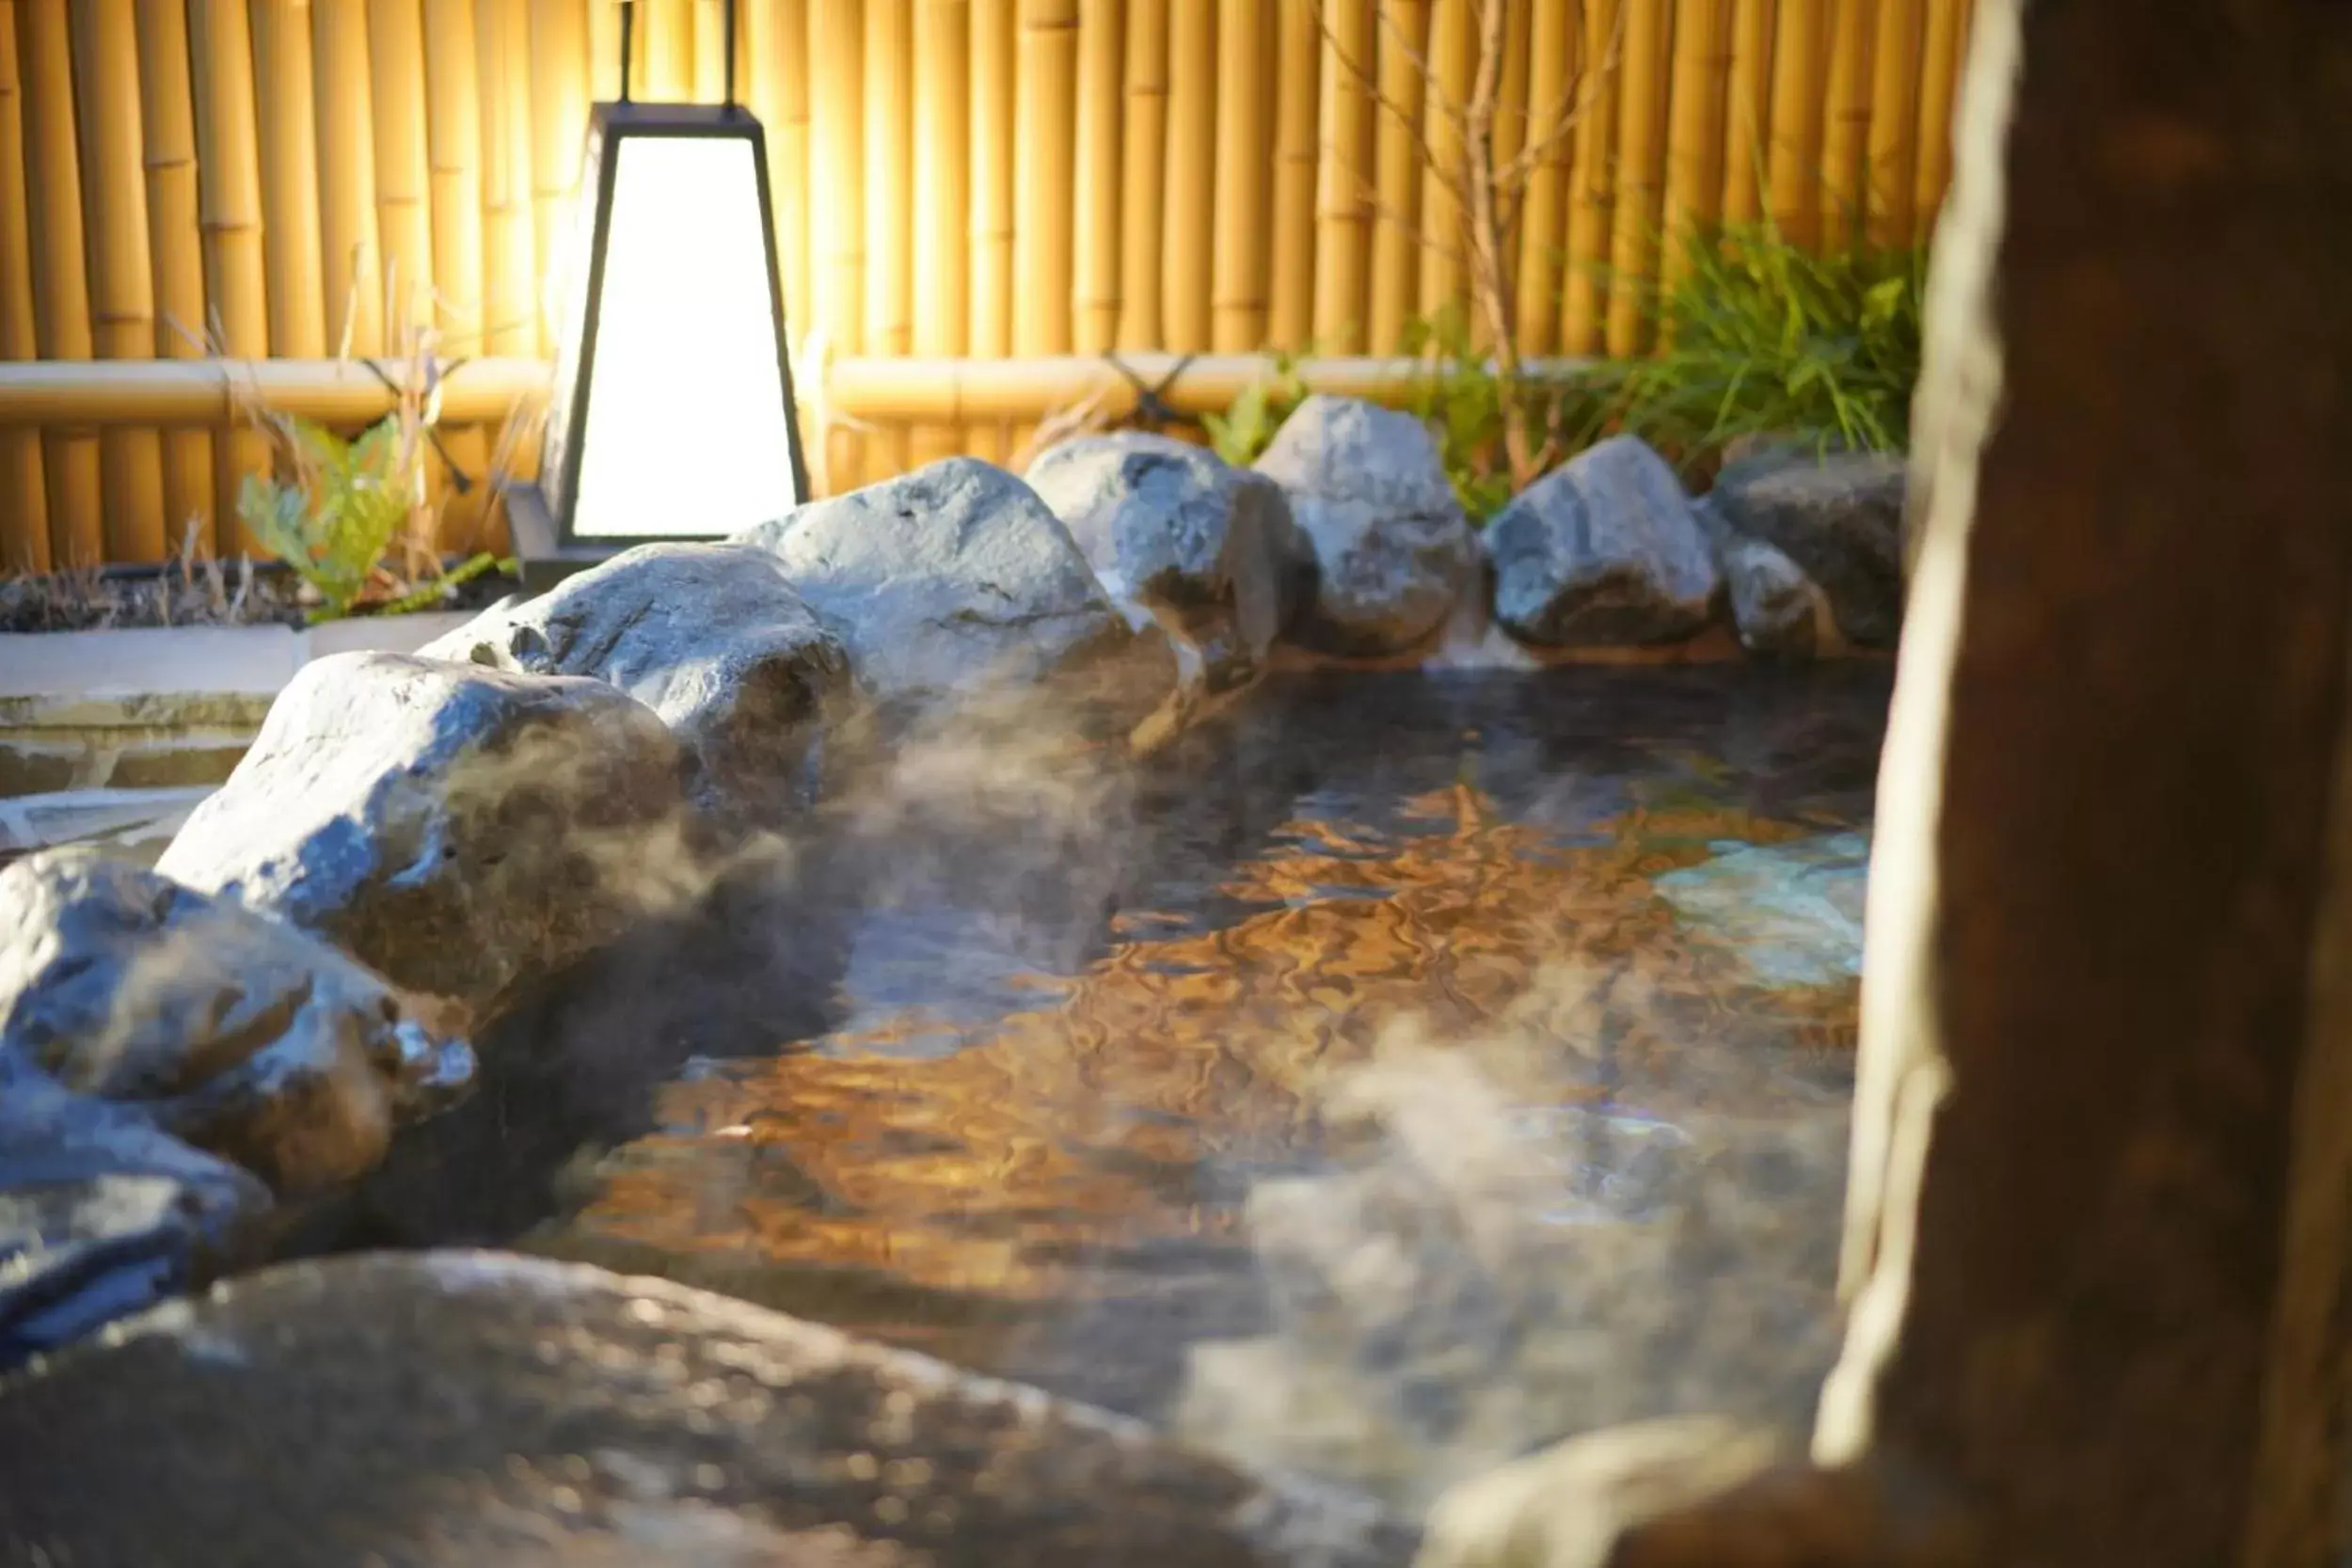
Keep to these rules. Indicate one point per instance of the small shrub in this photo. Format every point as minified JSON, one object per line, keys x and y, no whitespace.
{"x":342,"y":506}
{"x":1241,"y":434}
{"x":1762,"y":338}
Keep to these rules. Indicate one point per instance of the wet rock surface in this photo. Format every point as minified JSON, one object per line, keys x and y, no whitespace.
{"x":228,"y":1029}
{"x":1778,"y":610}
{"x":459,"y":829}
{"x":488,"y":1409}
{"x":1603,"y":551}
{"x":1173,"y":529}
{"x":957,"y":578}
{"x":1393,"y":550}
{"x":1838,"y":516}
{"x":102,"y":1215}
{"x":712,"y":638}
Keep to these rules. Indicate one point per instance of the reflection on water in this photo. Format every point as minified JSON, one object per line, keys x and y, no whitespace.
{"x":1465,"y":1062}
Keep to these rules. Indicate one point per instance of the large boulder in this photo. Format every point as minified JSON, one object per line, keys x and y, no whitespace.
{"x":957,"y":578}
{"x":1393,"y":550}
{"x":1839,"y":516}
{"x":102,"y":1215}
{"x":1603,"y":551}
{"x":461,"y":831}
{"x":1210,"y":549}
{"x":1776,"y":610}
{"x":710,"y":637}
{"x":489,"y":1409}
{"x":234,"y":1031}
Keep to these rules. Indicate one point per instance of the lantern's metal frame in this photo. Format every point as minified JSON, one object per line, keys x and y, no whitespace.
{"x":541,"y":515}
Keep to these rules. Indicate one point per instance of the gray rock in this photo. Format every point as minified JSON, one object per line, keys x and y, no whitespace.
{"x":234,"y":1031}
{"x":957,"y":578}
{"x":461,"y":831}
{"x":1776,"y":610}
{"x":484,"y":1408}
{"x":710,"y":637}
{"x":1210,"y":549}
{"x":1392,"y":548}
{"x":1603,"y":551}
{"x":1839,"y":517}
{"x":101,"y":1215}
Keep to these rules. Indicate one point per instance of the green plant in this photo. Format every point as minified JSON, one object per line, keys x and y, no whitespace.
{"x":1759,"y":336}
{"x":338,"y":514}
{"x":1241,"y":434}
{"x":1498,"y":430}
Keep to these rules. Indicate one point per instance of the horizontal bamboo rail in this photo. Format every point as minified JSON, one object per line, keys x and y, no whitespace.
{"x":971,"y":199}
{"x":937,"y":389}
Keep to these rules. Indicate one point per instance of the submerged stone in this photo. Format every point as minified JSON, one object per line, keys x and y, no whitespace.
{"x":1794,"y":911}
{"x":1603,"y":551}
{"x":461,"y":831}
{"x":956,"y":579}
{"x":710,"y":637}
{"x":1393,"y":550}
{"x":398,"y":1407}
{"x":231,"y":1030}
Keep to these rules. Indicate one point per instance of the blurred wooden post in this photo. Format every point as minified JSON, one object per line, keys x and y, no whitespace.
{"x":1143,"y":159}
{"x":174,"y":208}
{"x":1593,"y":177}
{"x":887,"y":110}
{"x":1188,"y":218}
{"x":1401,"y":88}
{"x":23,"y":498}
{"x":1244,"y":133}
{"x":1641,"y":100}
{"x":942,"y":176}
{"x":1297,"y":104}
{"x":61,"y":285}
{"x":1344,"y":215}
{"x":122,"y":287}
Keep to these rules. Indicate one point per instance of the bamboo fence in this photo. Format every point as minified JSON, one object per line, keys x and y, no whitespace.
{"x":976,"y":201}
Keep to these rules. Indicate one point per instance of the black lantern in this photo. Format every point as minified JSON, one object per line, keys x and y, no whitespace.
{"x":671,"y":414}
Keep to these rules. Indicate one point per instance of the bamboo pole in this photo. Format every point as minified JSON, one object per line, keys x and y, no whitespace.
{"x":1747,"y":114}
{"x":513,"y":322}
{"x":1443,"y":262}
{"x":118,"y":257}
{"x":888,"y":110}
{"x":1794,"y":161}
{"x":667,"y":71}
{"x":989,"y":234}
{"x":1592,"y":176}
{"x":1345,"y":213}
{"x":1694,"y":139}
{"x":346,"y":151}
{"x":1552,"y":98}
{"x":198,"y":392}
{"x":1143,"y":162}
{"x":836,"y":202}
{"x":1187,"y":218}
{"x":174,"y":206}
{"x":943,"y":174}
{"x":23,"y":498}
{"x":290,"y":177}
{"x":236,"y":268}
{"x":1511,"y":109}
{"x":452,"y":109}
{"x":1844,"y":137}
{"x":1641,"y":158}
{"x":604,"y":50}
{"x":559,"y":121}
{"x":1245,"y":50}
{"x":1944,"y":48}
{"x":60,"y":286}
{"x":1097,"y":220}
{"x":706,"y":25}
{"x":1894,"y":143}
{"x":1399,"y":151}
{"x":404,"y":170}
{"x":1297,"y":92}
{"x":775,"y":32}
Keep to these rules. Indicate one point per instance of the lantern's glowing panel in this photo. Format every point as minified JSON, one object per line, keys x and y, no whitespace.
{"x":687,"y":432}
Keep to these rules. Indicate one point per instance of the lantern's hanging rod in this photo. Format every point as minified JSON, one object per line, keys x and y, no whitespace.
{"x":628,"y":30}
